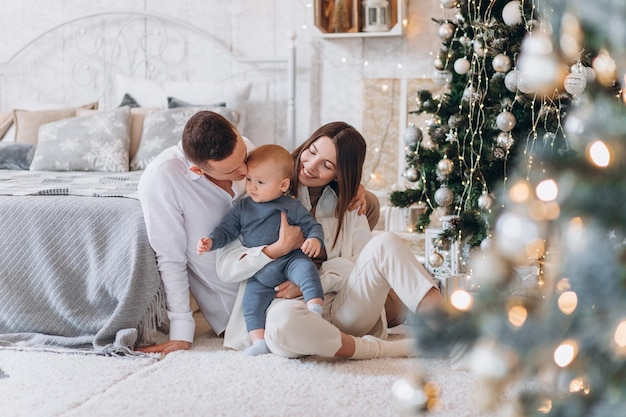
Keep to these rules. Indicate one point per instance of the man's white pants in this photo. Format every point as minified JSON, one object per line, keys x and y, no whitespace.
{"x":357,"y":308}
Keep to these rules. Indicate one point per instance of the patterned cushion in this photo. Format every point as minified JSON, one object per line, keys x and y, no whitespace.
{"x":164,"y":128}
{"x":98,"y":142}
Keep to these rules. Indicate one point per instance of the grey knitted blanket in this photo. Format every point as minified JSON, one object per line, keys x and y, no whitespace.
{"x":77,"y":272}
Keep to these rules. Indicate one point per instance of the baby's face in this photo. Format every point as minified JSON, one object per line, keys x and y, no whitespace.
{"x":265,"y":183}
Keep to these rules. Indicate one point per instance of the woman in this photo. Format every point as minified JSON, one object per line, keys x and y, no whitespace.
{"x":357,"y":270}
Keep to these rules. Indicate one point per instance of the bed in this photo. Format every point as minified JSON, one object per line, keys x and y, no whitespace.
{"x":77,"y":270}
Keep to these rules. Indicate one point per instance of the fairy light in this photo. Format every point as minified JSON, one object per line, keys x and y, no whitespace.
{"x":517,"y":315}
{"x":567,"y":302}
{"x":620,"y":334}
{"x":599,"y":154}
{"x":461,"y":300}
{"x":565,"y":353}
{"x":547,"y":190}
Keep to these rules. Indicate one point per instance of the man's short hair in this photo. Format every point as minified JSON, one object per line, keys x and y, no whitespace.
{"x":208,"y":136}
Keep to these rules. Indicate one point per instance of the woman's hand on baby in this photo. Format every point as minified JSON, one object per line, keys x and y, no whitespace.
{"x":287,"y":289}
{"x":311,"y":247}
{"x":204,"y":245}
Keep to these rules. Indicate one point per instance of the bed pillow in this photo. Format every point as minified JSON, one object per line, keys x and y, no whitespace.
{"x":137,"y":115}
{"x":27,"y":122}
{"x":150,"y":93}
{"x":97,"y":142}
{"x":164,"y":128}
{"x":16,"y":155}
{"x":6,"y":121}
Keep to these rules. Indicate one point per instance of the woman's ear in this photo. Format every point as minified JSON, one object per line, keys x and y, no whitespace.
{"x":285,"y":184}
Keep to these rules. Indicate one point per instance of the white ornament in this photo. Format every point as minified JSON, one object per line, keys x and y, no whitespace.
{"x":445,"y":166}
{"x":412,"y":174}
{"x":486,"y":244}
{"x":485,"y":201}
{"x":433,"y":121}
{"x":524,"y":85}
{"x":506,"y":121}
{"x":537,"y":62}
{"x":512,"y":13}
{"x":470,"y":94}
{"x":449,"y":4}
{"x":412,"y":134}
{"x":590,"y":74}
{"x":442,"y":77}
{"x":501,"y":63}
{"x":510,"y":81}
{"x":444,"y":196}
{"x":446,"y":31}
{"x":479,"y":48}
{"x":461,"y":66}
{"x":504,"y":140}
{"x":435,"y":259}
{"x":575,"y":83}
{"x":438,"y":63}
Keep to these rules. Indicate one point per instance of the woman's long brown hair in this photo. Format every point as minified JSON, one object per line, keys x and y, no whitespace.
{"x":351,"y":148}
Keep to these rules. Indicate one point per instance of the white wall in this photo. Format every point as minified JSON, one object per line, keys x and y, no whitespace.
{"x":330,"y":71}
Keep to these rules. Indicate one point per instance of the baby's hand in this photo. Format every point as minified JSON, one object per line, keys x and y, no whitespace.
{"x":311,"y":247}
{"x":204,"y":245}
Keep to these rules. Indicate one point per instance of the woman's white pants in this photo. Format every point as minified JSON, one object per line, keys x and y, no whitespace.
{"x":357,"y":308}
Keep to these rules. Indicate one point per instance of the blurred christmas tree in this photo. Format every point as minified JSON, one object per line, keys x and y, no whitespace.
{"x":486,"y":122}
{"x":568,"y":339}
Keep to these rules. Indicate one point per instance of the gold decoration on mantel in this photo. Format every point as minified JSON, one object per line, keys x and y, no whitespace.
{"x":381,"y":130}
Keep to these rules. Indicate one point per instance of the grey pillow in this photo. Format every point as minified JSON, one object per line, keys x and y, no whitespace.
{"x":98,"y":142}
{"x":129,"y":101}
{"x":15,"y":155}
{"x":164,"y":128}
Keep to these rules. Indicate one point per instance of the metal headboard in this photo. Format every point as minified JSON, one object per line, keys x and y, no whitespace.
{"x":89,"y":49}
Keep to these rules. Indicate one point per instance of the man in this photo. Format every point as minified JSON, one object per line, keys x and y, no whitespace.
{"x":185,"y":192}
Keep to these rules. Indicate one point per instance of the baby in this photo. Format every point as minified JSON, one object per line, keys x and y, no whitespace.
{"x":257,"y":219}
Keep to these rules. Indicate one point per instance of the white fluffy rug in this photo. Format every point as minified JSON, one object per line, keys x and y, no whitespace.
{"x":212,"y":381}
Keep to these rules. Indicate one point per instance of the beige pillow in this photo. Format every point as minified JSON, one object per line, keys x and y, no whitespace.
{"x":27,"y":122}
{"x":6,"y":120}
{"x":136,"y":125}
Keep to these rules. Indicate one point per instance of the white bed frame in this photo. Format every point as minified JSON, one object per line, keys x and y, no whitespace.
{"x":75,"y":62}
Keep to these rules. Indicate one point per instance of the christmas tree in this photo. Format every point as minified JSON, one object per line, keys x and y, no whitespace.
{"x":489,"y":120}
{"x":568,"y":339}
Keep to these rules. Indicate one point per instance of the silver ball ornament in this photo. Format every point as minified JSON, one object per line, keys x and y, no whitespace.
{"x":485,"y":201}
{"x":438,"y":63}
{"x":442,"y":77}
{"x":444,"y":196}
{"x":510,"y":81}
{"x":412,"y":174}
{"x":575,"y":83}
{"x":504,"y":140}
{"x":501,"y":63}
{"x":446,"y":31}
{"x":512,"y":13}
{"x":435,"y":259}
{"x":449,"y":4}
{"x":506,"y":121}
{"x":590,"y":74}
{"x":479,"y":48}
{"x":412,"y":134}
{"x":461,"y":66}
{"x":445,"y":166}
{"x":433,"y":121}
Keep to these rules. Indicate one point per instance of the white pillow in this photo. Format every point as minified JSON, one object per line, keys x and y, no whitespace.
{"x":98,"y":142}
{"x":149,"y":93}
